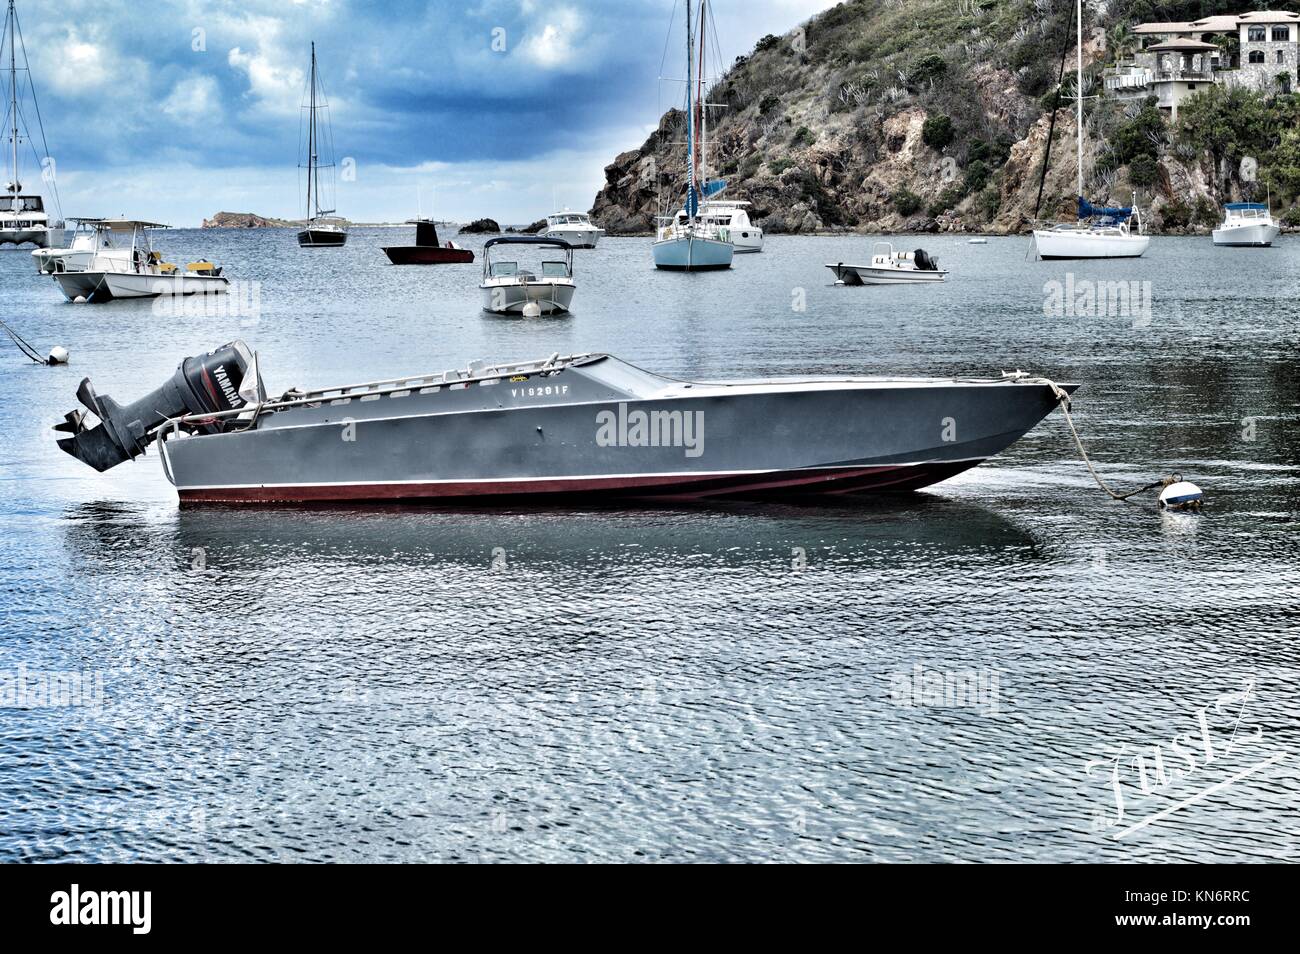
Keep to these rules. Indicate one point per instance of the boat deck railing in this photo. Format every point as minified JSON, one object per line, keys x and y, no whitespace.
{"x":478,"y":372}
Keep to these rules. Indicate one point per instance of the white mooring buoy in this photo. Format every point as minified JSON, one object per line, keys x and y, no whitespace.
{"x":532,"y":310}
{"x":58,"y":355}
{"x":1181,"y":495}
{"x":79,"y":300}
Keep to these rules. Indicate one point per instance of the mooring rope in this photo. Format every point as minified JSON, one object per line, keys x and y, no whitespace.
{"x":22,"y":344}
{"x":1063,"y":398}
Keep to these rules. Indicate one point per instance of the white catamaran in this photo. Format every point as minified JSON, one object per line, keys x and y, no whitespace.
{"x":693,"y":242}
{"x":323,"y":230}
{"x":1099,"y":232}
{"x":22,"y":215}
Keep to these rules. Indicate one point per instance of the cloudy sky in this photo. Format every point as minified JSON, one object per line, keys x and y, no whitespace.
{"x":174,"y":110}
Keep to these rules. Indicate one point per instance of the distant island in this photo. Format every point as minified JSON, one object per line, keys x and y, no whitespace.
{"x":251,"y":220}
{"x":245,"y":220}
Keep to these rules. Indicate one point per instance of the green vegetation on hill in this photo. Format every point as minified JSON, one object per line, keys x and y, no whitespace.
{"x":932,"y":114}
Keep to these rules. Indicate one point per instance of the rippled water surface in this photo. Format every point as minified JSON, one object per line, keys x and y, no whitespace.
{"x":740,"y":681}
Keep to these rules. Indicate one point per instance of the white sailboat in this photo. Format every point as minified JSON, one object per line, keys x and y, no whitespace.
{"x":23,"y":217}
{"x":323,"y":228}
{"x":693,"y":242}
{"x":1099,"y":232}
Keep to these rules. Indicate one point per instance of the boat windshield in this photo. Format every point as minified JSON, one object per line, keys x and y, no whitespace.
{"x":555,"y":269}
{"x":503,"y":269}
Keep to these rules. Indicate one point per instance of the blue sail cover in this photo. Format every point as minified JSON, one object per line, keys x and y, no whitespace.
{"x":1087,"y":211}
{"x":1243,"y":206}
{"x":694,"y":195}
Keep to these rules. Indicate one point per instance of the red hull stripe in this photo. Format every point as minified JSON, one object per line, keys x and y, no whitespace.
{"x":842,"y":480}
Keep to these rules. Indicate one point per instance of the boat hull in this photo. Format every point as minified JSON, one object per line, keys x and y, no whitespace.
{"x":577,"y":238}
{"x":576,"y":433}
{"x":511,"y":299}
{"x":692,"y":254}
{"x":1067,"y":244}
{"x":40,"y":237}
{"x":746,"y":239}
{"x":109,"y":286}
{"x":871,"y":275}
{"x":1253,"y":236}
{"x":427,"y":255}
{"x":322,"y":238}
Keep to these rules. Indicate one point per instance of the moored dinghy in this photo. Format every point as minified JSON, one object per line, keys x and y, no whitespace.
{"x":588,"y":424}
{"x":890,"y":268}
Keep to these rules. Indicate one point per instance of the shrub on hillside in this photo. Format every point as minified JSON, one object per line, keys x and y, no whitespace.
{"x":937,"y":131}
{"x":906,"y":202}
{"x":1143,"y":171}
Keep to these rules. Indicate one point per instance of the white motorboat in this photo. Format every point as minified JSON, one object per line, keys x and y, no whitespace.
{"x":576,"y":228}
{"x":890,"y":268}
{"x":23,"y":218}
{"x":105,"y":239}
{"x":691,"y":241}
{"x":126,"y":265}
{"x":510,"y":290}
{"x":1098,"y":232}
{"x":1246,"y":224}
{"x":322,"y":229}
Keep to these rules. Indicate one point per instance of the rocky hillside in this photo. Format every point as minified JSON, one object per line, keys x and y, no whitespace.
{"x":932,"y":115}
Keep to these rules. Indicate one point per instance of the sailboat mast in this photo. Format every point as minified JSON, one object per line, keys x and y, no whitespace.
{"x":1078,"y":94}
{"x":703,"y":149}
{"x":690,"y":120}
{"x":311,"y":138}
{"x":13,"y":97}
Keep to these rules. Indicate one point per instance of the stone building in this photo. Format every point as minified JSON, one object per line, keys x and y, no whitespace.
{"x":1256,"y":50}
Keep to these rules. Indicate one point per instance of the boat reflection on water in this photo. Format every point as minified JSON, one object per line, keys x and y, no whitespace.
{"x":304,"y":541}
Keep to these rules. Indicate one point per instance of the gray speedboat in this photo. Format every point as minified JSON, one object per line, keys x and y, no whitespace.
{"x":588,"y":424}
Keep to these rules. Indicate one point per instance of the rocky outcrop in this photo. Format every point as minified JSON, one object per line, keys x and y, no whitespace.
{"x":245,"y":220}
{"x":528,"y":229}
{"x":481,"y":227}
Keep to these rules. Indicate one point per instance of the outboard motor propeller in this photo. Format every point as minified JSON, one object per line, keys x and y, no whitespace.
{"x":204,"y":384}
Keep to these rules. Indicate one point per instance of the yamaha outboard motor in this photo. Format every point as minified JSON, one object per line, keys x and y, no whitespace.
{"x":924,"y":262}
{"x":204,"y":384}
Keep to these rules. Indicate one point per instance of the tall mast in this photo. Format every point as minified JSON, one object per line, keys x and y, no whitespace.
{"x":690,"y":120}
{"x":311,"y":138}
{"x":13,"y":96}
{"x":1078,"y":95}
{"x":702,"y":151}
